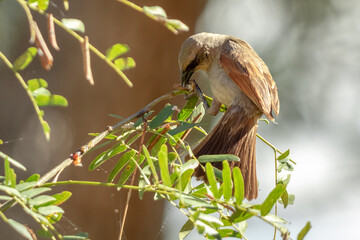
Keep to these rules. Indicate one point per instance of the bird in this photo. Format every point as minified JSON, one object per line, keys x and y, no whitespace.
{"x":240,"y":80}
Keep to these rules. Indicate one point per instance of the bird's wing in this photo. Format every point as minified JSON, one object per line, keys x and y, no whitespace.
{"x":251,"y":75}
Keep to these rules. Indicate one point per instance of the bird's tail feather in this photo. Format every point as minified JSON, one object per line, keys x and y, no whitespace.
{"x":234,"y":134}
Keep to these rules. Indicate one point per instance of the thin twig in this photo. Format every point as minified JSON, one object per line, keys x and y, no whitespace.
{"x":28,"y":92}
{"x":84,"y":149}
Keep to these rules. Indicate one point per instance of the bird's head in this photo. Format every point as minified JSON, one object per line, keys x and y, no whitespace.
{"x":195,"y":54}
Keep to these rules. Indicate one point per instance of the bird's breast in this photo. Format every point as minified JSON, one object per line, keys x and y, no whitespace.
{"x":226,"y":91}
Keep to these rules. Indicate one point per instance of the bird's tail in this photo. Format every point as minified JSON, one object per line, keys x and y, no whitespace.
{"x":234,"y":134}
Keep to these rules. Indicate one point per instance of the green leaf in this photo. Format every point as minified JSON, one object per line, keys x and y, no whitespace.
{"x":226,"y":232}
{"x":156,"y":11}
{"x":49,"y":210}
{"x":238,"y":185}
{"x":129,"y":170}
{"x":46,"y":129}
{"x":285,"y":198}
{"x":20,"y":228}
{"x":185,"y":178}
{"x":42,"y":4}
{"x":164,"y":166}
{"x":36,"y":83}
{"x":204,"y":228}
{"x":25,"y":59}
{"x":176,"y":25}
{"x":74,"y":24}
{"x":226,"y":174}
{"x":304,"y":231}
{"x":52,"y":100}
{"x":284,"y":155}
{"x":271,"y":199}
{"x":211,"y":220}
{"x":186,"y":229}
{"x":116,"y":50}
{"x":125,"y":158}
{"x":194,"y":202}
{"x":198,"y":113}
{"x":151,"y":163}
{"x":10,"y":176}
{"x":125,"y":63}
{"x":188,"y":108}
{"x":60,"y":198}
{"x":212,"y":180}
{"x":74,"y":237}
{"x":33,"y":178}
{"x":5,"y":198}
{"x":34,"y":192}
{"x":218,"y":158}
{"x":164,"y":114}
{"x":25,"y":186}
{"x":182,"y":127}
{"x":9,"y":190}
{"x":12,"y":161}
{"x":41,"y":91}
{"x":41,"y":200}
{"x":106,"y":155}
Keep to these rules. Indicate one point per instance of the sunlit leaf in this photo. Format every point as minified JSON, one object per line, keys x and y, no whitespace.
{"x":271,"y":199}
{"x":197,"y":114}
{"x":204,"y":228}
{"x":194,"y":202}
{"x":41,"y":200}
{"x":60,"y":198}
{"x":284,"y":155}
{"x":52,"y":100}
{"x":10,"y":176}
{"x":25,"y":59}
{"x":156,"y":11}
{"x":188,"y":108}
{"x":25,"y":186}
{"x":211,"y":179}
{"x":151,"y":163}
{"x":33,"y":178}
{"x":34,"y":192}
{"x":211,"y":220}
{"x":238,"y":185}
{"x":227,"y":184}
{"x":304,"y":231}
{"x":74,"y":24}
{"x":20,"y":228}
{"x":164,"y":167}
{"x":176,"y":25}
{"x":125,"y":158}
{"x":49,"y":210}
{"x":218,"y":158}
{"x":125,"y":63}
{"x":104,"y":156}
{"x":116,"y":50}
{"x":9,"y":190}
{"x":41,"y":91}
{"x":36,"y":83}
{"x":129,"y":169}
{"x":227,"y":232}
{"x":186,"y":229}
{"x":185,"y":178}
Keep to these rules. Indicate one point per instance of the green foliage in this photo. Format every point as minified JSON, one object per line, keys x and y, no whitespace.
{"x":215,"y":207}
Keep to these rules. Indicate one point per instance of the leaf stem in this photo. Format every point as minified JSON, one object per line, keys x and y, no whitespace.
{"x":273,"y":147}
{"x":81,"y":40}
{"x":28,"y":92}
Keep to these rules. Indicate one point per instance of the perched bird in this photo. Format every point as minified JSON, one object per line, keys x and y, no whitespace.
{"x":241,"y":81}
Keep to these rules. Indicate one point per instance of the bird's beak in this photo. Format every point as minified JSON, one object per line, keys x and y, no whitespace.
{"x":185,"y":76}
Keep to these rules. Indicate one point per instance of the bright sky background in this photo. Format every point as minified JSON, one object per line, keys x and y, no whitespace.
{"x":312,"y":50}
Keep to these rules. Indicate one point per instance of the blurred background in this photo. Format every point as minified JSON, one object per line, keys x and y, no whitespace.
{"x":312,"y":49}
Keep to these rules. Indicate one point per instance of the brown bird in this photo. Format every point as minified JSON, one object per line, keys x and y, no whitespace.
{"x":241,"y":81}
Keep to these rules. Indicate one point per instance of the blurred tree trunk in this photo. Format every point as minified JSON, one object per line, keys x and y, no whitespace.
{"x":97,"y":210}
